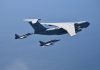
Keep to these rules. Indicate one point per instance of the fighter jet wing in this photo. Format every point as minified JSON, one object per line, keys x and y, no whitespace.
{"x":69,"y":27}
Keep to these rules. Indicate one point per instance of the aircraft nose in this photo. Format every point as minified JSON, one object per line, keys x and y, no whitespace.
{"x":86,"y":24}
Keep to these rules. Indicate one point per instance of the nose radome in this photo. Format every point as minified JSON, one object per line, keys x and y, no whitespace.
{"x":84,"y":24}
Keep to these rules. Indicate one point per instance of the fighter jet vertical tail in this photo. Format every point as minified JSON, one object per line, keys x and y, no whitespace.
{"x":41,"y":43}
{"x":36,"y":25}
{"x":16,"y":36}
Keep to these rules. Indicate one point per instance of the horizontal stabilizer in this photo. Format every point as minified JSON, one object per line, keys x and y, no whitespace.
{"x":32,"y":20}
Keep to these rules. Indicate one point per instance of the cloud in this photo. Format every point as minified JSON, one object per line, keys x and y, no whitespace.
{"x":17,"y":65}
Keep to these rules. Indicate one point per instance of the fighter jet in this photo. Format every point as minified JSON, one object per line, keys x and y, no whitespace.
{"x":22,"y":36}
{"x":48,"y":43}
{"x":59,"y":28}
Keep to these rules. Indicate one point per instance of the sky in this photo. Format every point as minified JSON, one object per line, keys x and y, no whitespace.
{"x":80,"y":52}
